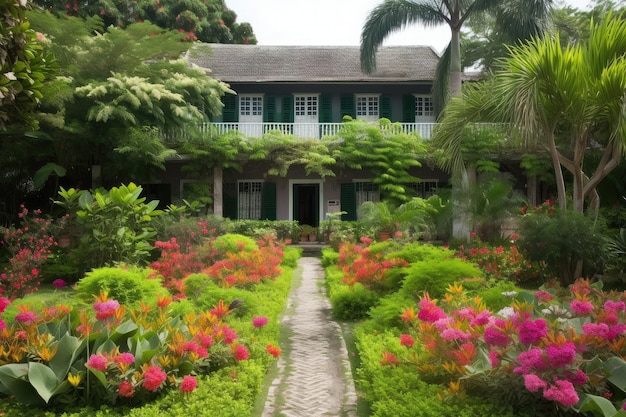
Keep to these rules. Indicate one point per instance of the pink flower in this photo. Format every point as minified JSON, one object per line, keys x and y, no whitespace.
{"x":495,"y":337}
{"x":190,"y":346}
{"x":406,"y":340}
{"x":616,"y":330}
{"x":533,"y":383}
{"x":530,"y":360}
{"x":26,"y":317}
{"x":125,"y":358}
{"x":126,"y":389}
{"x":561,"y":356}
{"x":205,"y":340}
{"x":577,"y":377}
{"x":430,"y":312}
{"x":455,"y":334}
{"x":562,"y":392}
{"x":4,"y":303}
{"x":153,"y":378}
{"x":544,"y":296}
{"x":229,"y":335}
{"x":3,"y":325}
{"x":98,"y":362}
{"x":188,"y":384}
{"x":531,"y":331}
{"x":596,"y":330}
{"x":59,"y":283}
{"x":494,"y":359}
{"x":259,"y":321}
{"x":241,"y":352}
{"x":106,"y":309}
{"x":582,"y":308}
{"x":614,"y":306}
{"x":481,"y":318}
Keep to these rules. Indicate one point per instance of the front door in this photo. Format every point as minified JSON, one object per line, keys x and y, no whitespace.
{"x":306,"y":203}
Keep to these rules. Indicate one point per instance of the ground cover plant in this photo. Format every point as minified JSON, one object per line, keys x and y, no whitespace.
{"x":121,"y":343}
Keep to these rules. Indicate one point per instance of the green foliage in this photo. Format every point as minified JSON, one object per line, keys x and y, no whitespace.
{"x":290,"y":256}
{"x":416,"y":251}
{"x":205,"y":294}
{"x":24,"y":67}
{"x":329,"y":257}
{"x":282,"y":229}
{"x":434,"y":276}
{"x":559,"y":241}
{"x":352,"y":303}
{"x":381,"y":149}
{"x":233,"y":243}
{"x":399,"y":391}
{"x":126,"y":284}
{"x":116,"y":224}
{"x":493,"y":298}
{"x":387,"y":314}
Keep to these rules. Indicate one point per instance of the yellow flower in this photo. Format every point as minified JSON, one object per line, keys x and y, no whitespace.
{"x":74,"y":379}
{"x":47,"y":354}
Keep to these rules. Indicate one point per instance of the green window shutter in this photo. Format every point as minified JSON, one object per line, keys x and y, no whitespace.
{"x":268,"y":201}
{"x":408,"y":108}
{"x":385,"y":106}
{"x":230,"y":113}
{"x":347,"y":199}
{"x":229,"y":200}
{"x":269,"y":109}
{"x":347,"y":106}
{"x":326,"y":108}
{"x":287,"y":109}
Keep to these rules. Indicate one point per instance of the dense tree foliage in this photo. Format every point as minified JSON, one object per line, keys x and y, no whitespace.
{"x":204,"y":20}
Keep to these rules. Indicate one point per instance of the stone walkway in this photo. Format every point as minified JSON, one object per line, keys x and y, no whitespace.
{"x":315,"y":379}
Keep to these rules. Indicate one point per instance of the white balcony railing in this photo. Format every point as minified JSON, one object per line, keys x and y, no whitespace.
{"x":314,"y":130}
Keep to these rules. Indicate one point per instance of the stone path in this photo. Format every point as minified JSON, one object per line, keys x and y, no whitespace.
{"x":315,"y":379}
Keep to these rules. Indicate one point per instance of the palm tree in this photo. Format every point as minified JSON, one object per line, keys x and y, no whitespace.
{"x":392,"y":15}
{"x":567,"y":99}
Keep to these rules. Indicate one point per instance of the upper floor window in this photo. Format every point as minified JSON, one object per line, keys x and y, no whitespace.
{"x":306,"y":105}
{"x":251,"y":105}
{"x":424,"y":106}
{"x":367,"y":106}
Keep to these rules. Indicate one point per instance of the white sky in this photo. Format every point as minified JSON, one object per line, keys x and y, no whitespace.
{"x":330,"y":22}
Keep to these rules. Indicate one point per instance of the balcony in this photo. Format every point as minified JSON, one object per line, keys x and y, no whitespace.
{"x":313,"y":130}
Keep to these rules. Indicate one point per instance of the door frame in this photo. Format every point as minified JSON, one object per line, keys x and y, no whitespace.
{"x":320,"y":183}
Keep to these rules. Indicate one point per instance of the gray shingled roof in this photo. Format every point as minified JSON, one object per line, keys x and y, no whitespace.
{"x":262,"y":63}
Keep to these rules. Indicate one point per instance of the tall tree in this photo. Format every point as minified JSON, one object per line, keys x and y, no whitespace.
{"x":392,"y":15}
{"x":567,"y":98}
{"x":204,"y":20}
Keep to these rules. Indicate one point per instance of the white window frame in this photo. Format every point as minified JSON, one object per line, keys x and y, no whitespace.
{"x":249,"y":199}
{"x":306,"y":105}
{"x":367,"y":106}
{"x":251,"y":105}
{"x":424,"y":107}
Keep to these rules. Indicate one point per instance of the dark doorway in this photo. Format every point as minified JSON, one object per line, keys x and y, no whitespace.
{"x":306,"y":204}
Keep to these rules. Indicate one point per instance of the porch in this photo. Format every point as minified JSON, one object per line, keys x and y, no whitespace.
{"x":312,"y":130}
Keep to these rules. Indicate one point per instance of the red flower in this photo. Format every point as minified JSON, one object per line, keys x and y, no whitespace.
{"x":126,"y":389}
{"x":153,"y":377}
{"x":407,"y":340}
{"x":273,"y":350}
{"x":188,"y":384}
{"x":241,"y":352}
{"x":259,"y":321}
{"x":389,"y":359}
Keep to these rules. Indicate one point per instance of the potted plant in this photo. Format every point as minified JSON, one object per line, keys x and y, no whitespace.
{"x":308,"y":233}
{"x":380,"y":216}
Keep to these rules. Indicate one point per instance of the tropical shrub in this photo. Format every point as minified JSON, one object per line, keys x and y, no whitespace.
{"x":256,"y":229}
{"x":127,"y":284}
{"x":188,"y":231}
{"x":353,"y":302}
{"x":565,"y":351}
{"x":560,"y":240}
{"x":437,"y":275}
{"x":116,"y":225}
{"x":365,"y":264}
{"x":28,"y":248}
{"x":501,"y":262}
{"x":112,"y":355}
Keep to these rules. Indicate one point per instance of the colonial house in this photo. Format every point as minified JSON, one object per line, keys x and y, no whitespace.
{"x":306,"y":91}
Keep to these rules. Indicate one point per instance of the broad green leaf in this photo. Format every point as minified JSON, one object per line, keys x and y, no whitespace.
{"x":68,"y":350}
{"x":13,"y":377}
{"x":43,"y":379}
{"x":43,"y":173}
{"x":617,"y":370}
{"x":597,"y":404}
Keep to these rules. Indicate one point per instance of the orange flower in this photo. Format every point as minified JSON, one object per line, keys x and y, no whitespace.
{"x":273,"y":350}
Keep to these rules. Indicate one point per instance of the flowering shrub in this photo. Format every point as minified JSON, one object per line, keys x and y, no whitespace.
{"x":566,"y":349}
{"x":501,"y":262}
{"x":175,"y":264}
{"x":111,"y":355}
{"x":362,"y":265}
{"x":29,"y":247}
